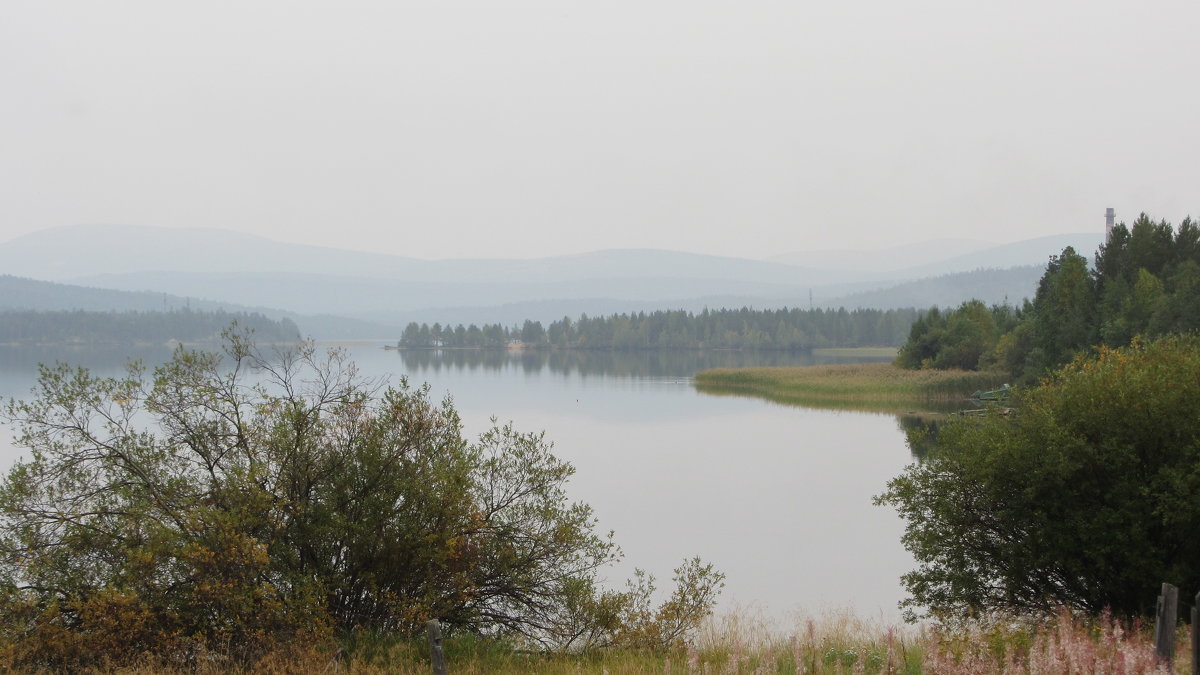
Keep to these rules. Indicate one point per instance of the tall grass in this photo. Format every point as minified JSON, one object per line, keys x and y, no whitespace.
{"x":838,"y":642}
{"x":743,"y":642}
{"x":856,"y":352}
{"x":879,"y":387}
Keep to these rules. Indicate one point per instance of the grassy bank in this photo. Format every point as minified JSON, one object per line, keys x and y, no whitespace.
{"x":879,"y":387}
{"x":836,"y":643}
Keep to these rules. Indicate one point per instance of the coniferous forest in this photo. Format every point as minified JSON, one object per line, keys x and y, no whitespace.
{"x":1145,"y":282}
{"x":745,"y":328}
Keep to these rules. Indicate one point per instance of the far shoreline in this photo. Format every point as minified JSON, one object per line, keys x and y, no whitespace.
{"x":835,"y":352}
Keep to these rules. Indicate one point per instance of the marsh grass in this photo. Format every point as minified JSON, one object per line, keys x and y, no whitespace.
{"x":875,"y":387}
{"x":856,"y":352}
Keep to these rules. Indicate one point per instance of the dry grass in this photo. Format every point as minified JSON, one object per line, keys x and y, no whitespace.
{"x":856,"y":352}
{"x":879,"y":387}
{"x":745,"y":642}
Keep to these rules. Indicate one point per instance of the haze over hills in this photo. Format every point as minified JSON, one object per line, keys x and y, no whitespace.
{"x":884,"y":259}
{"x":18,"y":293}
{"x":316,"y":286}
{"x":945,"y":256}
{"x":993,"y":286}
{"x":1029,"y":252}
{"x":83,"y":253}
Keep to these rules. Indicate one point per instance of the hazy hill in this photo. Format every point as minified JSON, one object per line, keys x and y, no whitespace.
{"x":1029,"y":252}
{"x":993,"y":286}
{"x":84,"y":253}
{"x":76,"y":252}
{"x":21,"y":293}
{"x":18,"y":293}
{"x":888,"y":259}
{"x":356,"y":296}
{"x":944,"y":256}
{"x":77,"y":327}
{"x":316,"y":286}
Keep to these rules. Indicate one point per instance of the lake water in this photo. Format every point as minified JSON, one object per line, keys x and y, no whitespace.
{"x":777,"y":497}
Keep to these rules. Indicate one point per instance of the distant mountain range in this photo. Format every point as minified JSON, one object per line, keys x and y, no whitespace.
{"x":24,"y":293}
{"x":890,"y":259}
{"x":993,"y":286}
{"x":335,"y":293}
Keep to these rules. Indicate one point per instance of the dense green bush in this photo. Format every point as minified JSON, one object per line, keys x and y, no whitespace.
{"x":965,"y":338}
{"x":241,"y":502}
{"x":1085,"y":497}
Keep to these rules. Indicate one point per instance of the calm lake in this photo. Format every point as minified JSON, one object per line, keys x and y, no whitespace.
{"x":777,"y":497}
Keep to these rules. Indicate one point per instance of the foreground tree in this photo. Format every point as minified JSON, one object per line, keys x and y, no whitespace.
{"x":1086,"y":498}
{"x":243,"y":501}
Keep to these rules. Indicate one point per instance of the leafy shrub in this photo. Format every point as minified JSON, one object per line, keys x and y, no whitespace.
{"x":241,"y":502}
{"x":1085,"y":498}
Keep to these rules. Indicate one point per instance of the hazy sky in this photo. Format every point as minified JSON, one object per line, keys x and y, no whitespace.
{"x":498,"y":128}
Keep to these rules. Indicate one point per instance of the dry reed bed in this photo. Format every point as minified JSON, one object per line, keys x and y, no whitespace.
{"x":867,"y":386}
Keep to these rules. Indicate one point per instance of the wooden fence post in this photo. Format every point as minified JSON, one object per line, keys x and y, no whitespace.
{"x":1196,"y":636}
{"x":437,"y":656}
{"x":1164,"y":623}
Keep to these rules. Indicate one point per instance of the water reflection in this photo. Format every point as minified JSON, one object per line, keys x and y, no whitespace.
{"x":19,"y":364}
{"x":24,"y":359}
{"x":920,"y":432}
{"x":779,"y":498}
{"x":648,"y":363}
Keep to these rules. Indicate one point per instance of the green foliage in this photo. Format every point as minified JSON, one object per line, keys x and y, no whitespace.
{"x":1085,"y":498}
{"x":242,"y":501}
{"x":1146,"y":282}
{"x":670,"y":624}
{"x":965,"y":338}
{"x":1063,"y":313}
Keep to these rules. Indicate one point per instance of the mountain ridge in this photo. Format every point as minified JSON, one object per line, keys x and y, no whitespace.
{"x":384,"y":291}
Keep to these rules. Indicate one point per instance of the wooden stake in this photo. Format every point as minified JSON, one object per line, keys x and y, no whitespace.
{"x":436,"y":655}
{"x":1164,"y":623}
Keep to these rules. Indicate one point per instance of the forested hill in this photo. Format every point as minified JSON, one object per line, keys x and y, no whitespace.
{"x":745,"y":328}
{"x":23,"y":293}
{"x":18,"y":293}
{"x":254,"y":274}
{"x":107,"y":328}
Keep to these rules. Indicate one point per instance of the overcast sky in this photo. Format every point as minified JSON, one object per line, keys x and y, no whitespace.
{"x":514,"y":128}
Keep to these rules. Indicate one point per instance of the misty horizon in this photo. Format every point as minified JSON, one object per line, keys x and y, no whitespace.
{"x":467,"y":130}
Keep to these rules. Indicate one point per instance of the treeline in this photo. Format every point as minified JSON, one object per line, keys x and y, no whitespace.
{"x":1146,"y":282}
{"x":781,"y":329}
{"x":183,"y":325}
